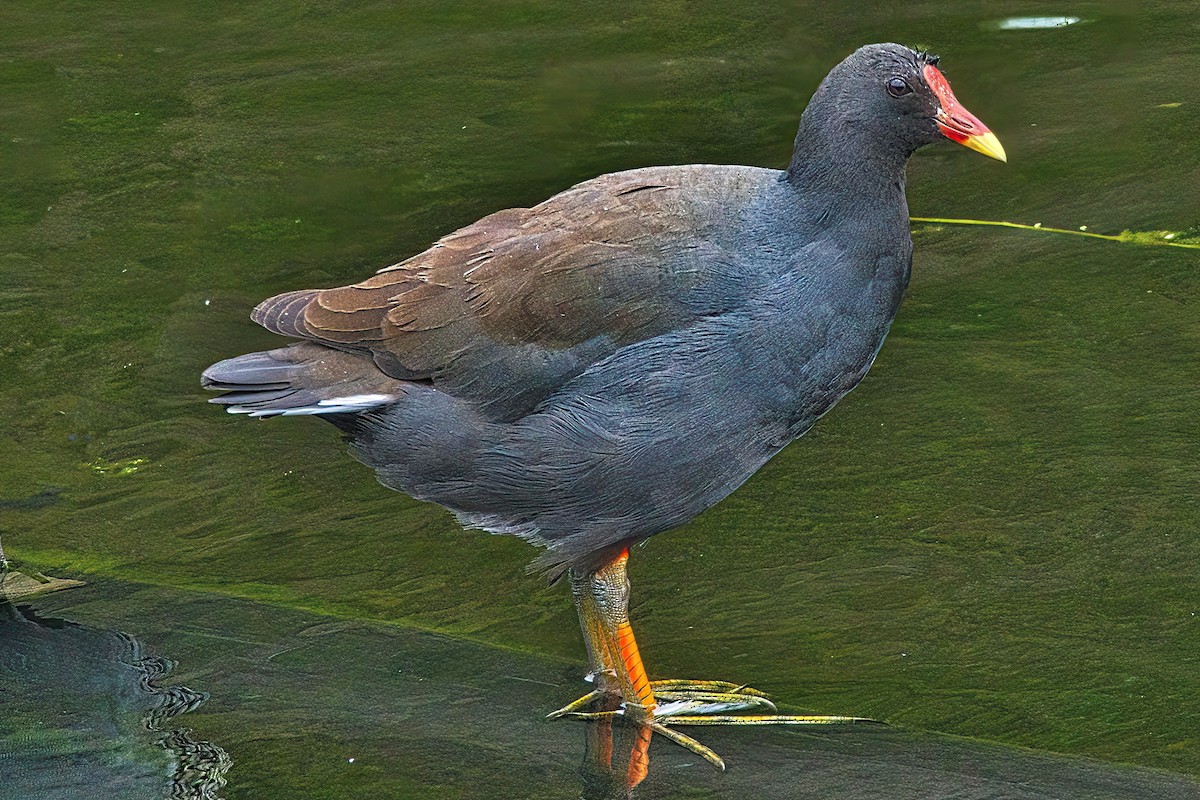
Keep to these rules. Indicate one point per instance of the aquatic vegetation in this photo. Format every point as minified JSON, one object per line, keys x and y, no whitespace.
{"x":125,"y":466}
{"x":1189,"y":238}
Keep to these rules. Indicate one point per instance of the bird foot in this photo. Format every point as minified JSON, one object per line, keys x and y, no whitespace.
{"x":686,"y":702}
{"x":673,"y":698}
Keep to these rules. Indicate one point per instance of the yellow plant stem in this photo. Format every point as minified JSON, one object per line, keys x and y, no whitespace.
{"x":1127,"y":236}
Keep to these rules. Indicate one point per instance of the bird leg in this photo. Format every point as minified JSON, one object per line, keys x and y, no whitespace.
{"x":602,"y":599}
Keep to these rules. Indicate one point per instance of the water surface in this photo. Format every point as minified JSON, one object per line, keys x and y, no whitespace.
{"x":993,"y":537}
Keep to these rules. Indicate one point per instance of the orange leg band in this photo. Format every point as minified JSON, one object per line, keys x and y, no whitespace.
{"x":632,"y":659}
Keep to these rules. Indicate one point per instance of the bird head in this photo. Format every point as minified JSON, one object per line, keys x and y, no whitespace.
{"x":894,"y":94}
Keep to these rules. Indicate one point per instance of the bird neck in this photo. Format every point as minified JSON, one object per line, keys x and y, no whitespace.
{"x":847,"y":162}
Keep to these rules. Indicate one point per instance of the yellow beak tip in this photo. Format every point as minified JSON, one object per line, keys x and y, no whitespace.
{"x":988,"y":144}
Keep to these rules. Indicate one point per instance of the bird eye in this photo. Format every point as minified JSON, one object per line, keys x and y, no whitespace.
{"x":898,"y":87}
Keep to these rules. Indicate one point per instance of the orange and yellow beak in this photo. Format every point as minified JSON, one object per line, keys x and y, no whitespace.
{"x":956,"y":123}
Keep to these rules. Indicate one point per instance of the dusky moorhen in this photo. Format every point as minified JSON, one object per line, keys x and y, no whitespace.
{"x":613,"y":361}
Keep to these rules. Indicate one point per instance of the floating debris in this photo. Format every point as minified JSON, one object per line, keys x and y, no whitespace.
{"x":16,"y":585}
{"x":1035,"y":23}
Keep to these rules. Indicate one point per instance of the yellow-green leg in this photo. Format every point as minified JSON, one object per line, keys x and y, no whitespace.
{"x":602,"y":599}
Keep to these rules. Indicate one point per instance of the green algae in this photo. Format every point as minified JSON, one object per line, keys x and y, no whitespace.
{"x":124,"y":466}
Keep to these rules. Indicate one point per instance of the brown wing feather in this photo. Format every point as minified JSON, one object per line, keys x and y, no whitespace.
{"x":587,"y":263}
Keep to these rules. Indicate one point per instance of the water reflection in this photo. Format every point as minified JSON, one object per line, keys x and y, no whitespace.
{"x":859,"y":765}
{"x":84,"y":712}
{"x":602,"y":778}
{"x":362,"y":709}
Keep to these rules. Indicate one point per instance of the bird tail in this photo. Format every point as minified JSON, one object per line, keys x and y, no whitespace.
{"x":300,"y":379}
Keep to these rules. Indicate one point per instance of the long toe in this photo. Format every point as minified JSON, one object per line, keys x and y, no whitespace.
{"x":576,"y":706}
{"x":672,"y":703}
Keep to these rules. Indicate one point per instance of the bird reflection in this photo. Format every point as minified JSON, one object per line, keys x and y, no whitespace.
{"x":602,"y":779}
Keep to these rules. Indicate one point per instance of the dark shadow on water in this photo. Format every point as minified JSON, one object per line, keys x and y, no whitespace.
{"x":85,"y":713}
{"x":312,"y":706}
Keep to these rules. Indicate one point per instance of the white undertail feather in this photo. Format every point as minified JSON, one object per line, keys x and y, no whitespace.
{"x":334,"y":405}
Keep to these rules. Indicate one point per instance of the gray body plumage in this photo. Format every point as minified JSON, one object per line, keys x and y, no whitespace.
{"x":659,"y":430}
{"x":614,"y":361}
